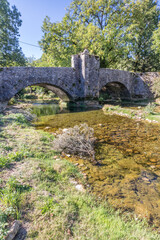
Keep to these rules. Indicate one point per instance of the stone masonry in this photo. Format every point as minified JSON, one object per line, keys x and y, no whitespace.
{"x":82,"y":81}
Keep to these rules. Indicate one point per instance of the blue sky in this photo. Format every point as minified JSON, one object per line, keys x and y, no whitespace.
{"x":33,"y":13}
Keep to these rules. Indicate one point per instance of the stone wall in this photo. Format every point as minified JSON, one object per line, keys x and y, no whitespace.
{"x":14,"y":79}
{"x":143,"y":84}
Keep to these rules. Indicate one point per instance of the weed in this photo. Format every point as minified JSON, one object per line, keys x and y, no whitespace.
{"x":10,"y":199}
{"x":5,"y":161}
{"x":49,"y":206}
{"x":46,"y":137}
{"x":10,"y":196}
{"x":21,"y":120}
{"x":17,"y":119}
{"x":47,"y":173}
{"x":3,"y":224}
{"x":69,"y":170}
{"x":150,"y":108}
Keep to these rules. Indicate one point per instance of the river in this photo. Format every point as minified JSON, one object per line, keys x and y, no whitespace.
{"x":128,"y":151}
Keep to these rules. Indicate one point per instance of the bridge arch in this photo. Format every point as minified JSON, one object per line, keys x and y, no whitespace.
{"x":62,"y":94}
{"x":61,"y":81}
{"x":115,"y":91}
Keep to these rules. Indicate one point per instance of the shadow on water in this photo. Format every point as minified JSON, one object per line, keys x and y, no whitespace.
{"x":129,"y":153}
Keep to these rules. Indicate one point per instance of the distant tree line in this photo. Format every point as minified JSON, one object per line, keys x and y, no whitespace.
{"x":124,"y":33}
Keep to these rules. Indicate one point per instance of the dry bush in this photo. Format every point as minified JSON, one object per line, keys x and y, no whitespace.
{"x":78,"y":140}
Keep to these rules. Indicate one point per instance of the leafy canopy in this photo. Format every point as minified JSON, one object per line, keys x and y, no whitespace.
{"x":120,"y":32}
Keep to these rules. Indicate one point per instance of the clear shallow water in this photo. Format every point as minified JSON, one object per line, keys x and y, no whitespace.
{"x":129,"y":153}
{"x":51,"y":109}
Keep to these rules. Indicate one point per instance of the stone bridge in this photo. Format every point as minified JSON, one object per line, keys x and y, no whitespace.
{"x":85,"y":80}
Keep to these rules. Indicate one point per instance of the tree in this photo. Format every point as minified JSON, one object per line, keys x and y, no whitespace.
{"x":144,"y":20}
{"x":94,"y":24}
{"x":120,"y":32}
{"x":10,"y":52}
{"x":156,"y":40}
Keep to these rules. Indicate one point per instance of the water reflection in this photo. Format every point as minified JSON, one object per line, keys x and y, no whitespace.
{"x":40,"y":109}
{"x":45,"y":110}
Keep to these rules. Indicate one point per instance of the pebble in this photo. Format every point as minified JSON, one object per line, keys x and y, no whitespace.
{"x":152,"y":166}
{"x":81,"y":165}
{"x":65,"y":130}
{"x":47,"y":127}
{"x":80,"y":187}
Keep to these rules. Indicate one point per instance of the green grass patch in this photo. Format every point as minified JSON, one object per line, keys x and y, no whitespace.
{"x":146,"y":113}
{"x":10,"y":203}
{"x":5,"y":161}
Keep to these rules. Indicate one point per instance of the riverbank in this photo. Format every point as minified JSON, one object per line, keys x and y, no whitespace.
{"x":49,"y":195}
{"x":149,"y":113}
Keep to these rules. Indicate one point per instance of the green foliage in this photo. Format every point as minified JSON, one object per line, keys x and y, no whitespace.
{"x":10,"y":195}
{"x":10,"y":201}
{"x":144,"y":21}
{"x":19,"y":120}
{"x":46,"y":138}
{"x":156,"y":86}
{"x":150,"y":108}
{"x":4,"y":215}
{"x":47,"y":173}
{"x":10,"y":52}
{"x":156,"y":40}
{"x":5,"y":161}
{"x":48,"y":206}
{"x":120,"y":32}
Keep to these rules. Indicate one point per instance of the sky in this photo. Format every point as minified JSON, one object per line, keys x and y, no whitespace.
{"x":33,"y":13}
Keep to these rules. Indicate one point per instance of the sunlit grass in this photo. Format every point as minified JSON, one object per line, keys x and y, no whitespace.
{"x":147,"y":113}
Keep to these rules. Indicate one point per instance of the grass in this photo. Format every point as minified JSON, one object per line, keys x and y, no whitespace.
{"x":37,"y":188}
{"x":10,"y":199}
{"x":148,"y":113}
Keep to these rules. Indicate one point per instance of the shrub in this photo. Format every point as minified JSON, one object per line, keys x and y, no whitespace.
{"x":150,"y":108}
{"x":78,"y":140}
{"x":156,"y":87}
